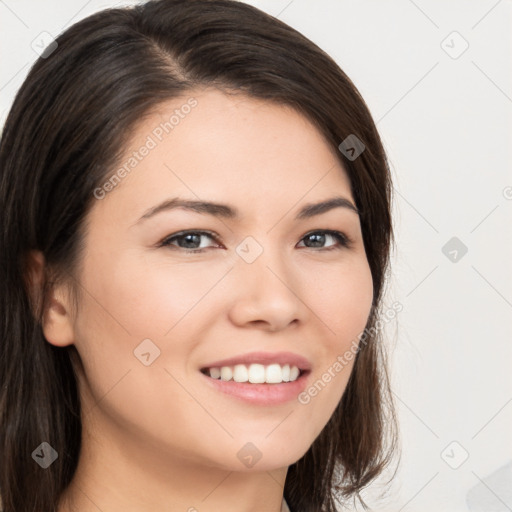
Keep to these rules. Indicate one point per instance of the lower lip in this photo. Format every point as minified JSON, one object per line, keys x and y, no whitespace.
{"x":261,"y":394}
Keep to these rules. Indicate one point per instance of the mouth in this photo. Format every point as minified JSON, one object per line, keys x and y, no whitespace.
{"x":247,"y":385}
{"x":271,"y":374}
{"x":259,"y":378}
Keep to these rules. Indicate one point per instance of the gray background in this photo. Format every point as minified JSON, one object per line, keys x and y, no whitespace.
{"x":445,"y":116}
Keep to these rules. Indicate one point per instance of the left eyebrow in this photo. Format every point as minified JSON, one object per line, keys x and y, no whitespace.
{"x":230,"y":212}
{"x":312,"y":209}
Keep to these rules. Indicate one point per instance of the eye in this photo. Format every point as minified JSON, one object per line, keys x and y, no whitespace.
{"x":318,"y":238}
{"x":190,"y":239}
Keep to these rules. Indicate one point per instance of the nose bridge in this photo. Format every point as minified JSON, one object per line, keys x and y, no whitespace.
{"x":261,"y":260}
{"x":266,"y":287}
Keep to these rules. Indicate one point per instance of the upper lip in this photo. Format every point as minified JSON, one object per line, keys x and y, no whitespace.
{"x":265,"y":358}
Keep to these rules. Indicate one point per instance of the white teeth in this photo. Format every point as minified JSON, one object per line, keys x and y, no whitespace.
{"x":274,"y":374}
{"x":294,"y":373}
{"x":286,"y":373}
{"x":215,"y":373}
{"x":256,"y":373}
{"x":240,"y":373}
{"x":226,"y":373}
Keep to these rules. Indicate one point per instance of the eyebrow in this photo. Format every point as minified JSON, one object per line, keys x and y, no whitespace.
{"x":230,"y":212}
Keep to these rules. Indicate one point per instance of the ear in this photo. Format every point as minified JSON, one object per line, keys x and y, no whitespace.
{"x":57,"y":323}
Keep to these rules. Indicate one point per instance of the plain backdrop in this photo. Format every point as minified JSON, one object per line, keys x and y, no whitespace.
{"x":436,"y":76}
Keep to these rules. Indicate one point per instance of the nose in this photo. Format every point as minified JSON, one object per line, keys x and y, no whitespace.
{"x":266,"y":293}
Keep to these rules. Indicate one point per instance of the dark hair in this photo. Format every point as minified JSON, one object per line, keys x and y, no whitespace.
{"x":67,"y":128}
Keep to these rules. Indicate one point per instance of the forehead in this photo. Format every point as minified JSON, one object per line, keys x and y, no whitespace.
{"x":230,"y":148}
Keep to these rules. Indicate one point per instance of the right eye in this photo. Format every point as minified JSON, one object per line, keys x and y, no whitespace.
{"x":191,"y":240}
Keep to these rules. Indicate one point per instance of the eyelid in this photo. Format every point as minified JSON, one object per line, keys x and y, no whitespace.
{"x":179,"y":234}
{"x":345,"y":242}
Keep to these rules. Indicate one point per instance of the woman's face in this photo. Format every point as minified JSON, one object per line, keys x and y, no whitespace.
{"x":157,"y":308}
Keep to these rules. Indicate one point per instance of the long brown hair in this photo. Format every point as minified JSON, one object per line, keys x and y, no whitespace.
{"x":64,"y":133}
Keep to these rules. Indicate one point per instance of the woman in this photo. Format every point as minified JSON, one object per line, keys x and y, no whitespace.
{"x":195,"y":238}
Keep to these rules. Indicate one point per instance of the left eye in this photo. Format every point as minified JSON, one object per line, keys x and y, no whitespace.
{"x":320,"y":236}
{"x":192,"y":238}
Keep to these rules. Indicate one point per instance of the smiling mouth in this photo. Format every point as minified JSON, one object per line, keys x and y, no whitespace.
{"x":255,"y":373}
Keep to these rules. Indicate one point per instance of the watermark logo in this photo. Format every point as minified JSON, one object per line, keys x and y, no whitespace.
{"x":249,"y":455}
{"x":249,"y":249}
{"x":454,"y":249}
{"x":455,"y":455}
{"x":146,"y":352}
{"x":44,"y":45}
{"x":45,"y":455}
{"x":454,"y":45}
{"x":352,"y":147}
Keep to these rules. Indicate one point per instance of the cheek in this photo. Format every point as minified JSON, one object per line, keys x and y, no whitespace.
{"x":342,"y":299}
{"x":343,"y":304}
{"x":126,"y":302}
{"x":148,"y":299}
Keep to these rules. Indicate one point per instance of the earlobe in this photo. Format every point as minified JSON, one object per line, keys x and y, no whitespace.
{"x":57,"y":323}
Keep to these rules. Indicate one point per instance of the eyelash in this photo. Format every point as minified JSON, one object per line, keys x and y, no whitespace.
{"x":344,"y":242}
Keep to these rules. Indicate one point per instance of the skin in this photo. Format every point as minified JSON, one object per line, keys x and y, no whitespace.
{"x":157,"y":437}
